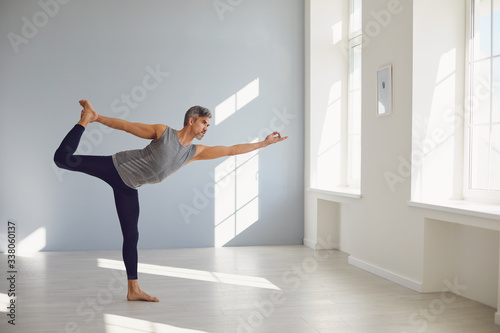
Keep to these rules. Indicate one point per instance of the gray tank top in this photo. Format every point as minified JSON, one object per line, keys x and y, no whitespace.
{"x":155,"y":162}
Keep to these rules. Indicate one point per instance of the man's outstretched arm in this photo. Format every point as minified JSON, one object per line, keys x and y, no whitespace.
{"x":209,"y":153}
{"x":144,"y":131}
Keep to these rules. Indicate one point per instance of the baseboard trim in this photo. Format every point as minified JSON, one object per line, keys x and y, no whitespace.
{"x":497,"y":318}
{"x":387,"y":274}
{"x":310,"y":244}
{"x":317,"y":246}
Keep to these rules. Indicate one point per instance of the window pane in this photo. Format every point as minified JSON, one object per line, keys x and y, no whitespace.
{"x":355,"y":114}
{"x":355,"y":68}
{"x":496,"y":27}
{"x":482,"y":29}
{"x":496,"y":90}
{"x":480,"y":99}
{"x":355,"y":16}
{"x":355,"y":158}
{"x":479,"y":157}
{"x":354,"y":119}
{"x":355,"y":91}
{"x":495,"y":158}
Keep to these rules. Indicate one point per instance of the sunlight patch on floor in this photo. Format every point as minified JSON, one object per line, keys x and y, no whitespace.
{"x":4,"y":302}
{"x":121,"y":324}
{"x":183,"y":273}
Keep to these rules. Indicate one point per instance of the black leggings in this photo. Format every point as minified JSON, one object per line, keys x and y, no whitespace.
{"x":126,"y":198}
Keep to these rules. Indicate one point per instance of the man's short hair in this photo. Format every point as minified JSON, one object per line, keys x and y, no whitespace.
{"x":196,"y":112}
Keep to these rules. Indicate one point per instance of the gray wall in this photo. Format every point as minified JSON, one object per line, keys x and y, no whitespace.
{"x":54,"y":53}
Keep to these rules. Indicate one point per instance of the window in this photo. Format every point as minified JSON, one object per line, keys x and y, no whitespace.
{"x":355,"y":18}
{"x":333,"y":92}
{"x":354,"y":100}
{"x":483,"y":100}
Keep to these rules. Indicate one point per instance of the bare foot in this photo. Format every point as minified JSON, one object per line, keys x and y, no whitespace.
{"x":136,"y":294}
{"x":88,"y":114}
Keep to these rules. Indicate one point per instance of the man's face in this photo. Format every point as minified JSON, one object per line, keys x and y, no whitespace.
{"x":200,"y":127}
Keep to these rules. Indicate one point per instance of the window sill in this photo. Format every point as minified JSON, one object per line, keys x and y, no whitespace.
{"x":462,"y":207}
{"x":347,"y":192}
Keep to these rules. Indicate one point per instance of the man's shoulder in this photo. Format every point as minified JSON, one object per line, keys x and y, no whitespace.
{"x":160,"y":130}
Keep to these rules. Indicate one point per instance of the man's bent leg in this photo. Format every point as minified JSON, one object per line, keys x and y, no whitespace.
{"x":64,"y":156}
{"x":126,"y":199}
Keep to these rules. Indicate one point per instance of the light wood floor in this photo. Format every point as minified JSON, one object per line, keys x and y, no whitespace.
{"x":246,"y":289}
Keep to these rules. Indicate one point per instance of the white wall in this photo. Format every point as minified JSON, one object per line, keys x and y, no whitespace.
{"x":326,"y":85}
{"x":421,"y":247}
{"x":383,"y":139}
{"x":451,"y":250}
{"x":382,"y":234}
{"x":103,"y":50}
{"x":368,"y":225}
{"x":469,"y":254}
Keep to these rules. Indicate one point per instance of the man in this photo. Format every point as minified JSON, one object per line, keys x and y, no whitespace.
{"x":126,"y":171}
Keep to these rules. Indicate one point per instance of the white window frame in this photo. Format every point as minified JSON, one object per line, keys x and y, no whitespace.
{"x":353,"y":33}
{"x":355,"y":40}
{"x":484,"y":195}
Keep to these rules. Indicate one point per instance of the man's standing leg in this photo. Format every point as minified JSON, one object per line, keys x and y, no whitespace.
{"x":127,"y":207}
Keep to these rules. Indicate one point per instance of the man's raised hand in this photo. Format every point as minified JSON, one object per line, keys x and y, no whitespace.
{"x":274,"y":137}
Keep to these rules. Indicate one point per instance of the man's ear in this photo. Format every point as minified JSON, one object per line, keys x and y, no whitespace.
{"x":191,"y":121}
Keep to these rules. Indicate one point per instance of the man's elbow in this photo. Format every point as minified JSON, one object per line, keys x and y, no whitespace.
{"x":232,"y":151}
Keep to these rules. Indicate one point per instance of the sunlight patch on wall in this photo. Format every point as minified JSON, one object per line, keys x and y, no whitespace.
{"x":236,"y":196}
{"x":328,"y":171}
{"x":447,"y":65}
{"x":337,"y":32}
{"x":192,"y":274}
{"x":33,"y":243}
{"x":433,"y":133}
{"x":236,"y":101}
